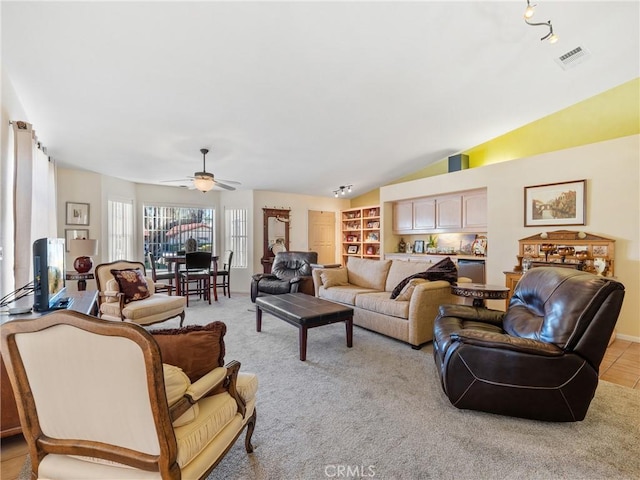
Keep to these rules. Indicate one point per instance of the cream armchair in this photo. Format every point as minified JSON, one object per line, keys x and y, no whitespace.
{"x":129,"y":296}
{"x":95,"y":401}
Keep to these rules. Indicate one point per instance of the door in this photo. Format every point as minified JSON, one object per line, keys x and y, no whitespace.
{"x":322,"y":235}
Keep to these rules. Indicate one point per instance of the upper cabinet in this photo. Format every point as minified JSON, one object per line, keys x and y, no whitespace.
{"x":457,"y":212}
{"x":474,"y":210}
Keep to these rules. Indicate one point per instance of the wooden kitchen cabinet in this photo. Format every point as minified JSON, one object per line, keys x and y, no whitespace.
{"x":456,"y":212}
{"x":474,"y":210}
{"x":449,"y":212}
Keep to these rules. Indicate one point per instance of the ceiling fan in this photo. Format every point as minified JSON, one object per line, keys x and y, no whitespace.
{"x":205,"y":181}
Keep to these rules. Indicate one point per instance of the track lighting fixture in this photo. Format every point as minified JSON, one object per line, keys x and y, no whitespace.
{"x":529,"y":12}
{"x":341,"y":190}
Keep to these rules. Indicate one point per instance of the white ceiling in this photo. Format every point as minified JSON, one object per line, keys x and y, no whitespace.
{"x":299,"y":97}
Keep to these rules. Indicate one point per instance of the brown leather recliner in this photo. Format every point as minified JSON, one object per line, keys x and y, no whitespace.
{"x":290,"y":273}
{"x":537,"y":360}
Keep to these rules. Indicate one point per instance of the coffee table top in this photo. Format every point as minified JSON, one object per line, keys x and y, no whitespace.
{"x":302,"y":308}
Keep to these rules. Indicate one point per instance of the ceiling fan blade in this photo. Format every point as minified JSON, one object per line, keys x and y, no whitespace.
{"x":231,"y":182}
{"x":223,"y":185}
{"x":173,"y":181}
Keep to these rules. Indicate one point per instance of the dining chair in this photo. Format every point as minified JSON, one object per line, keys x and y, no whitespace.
{"x":168,"y":275}
{"x":223,"y":275}
{"x":196,"y":277}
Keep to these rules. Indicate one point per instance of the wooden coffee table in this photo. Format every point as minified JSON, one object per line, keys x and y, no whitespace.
{"x":305,"y":312}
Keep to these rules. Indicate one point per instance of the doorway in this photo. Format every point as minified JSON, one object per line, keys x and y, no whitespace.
{"x":322,"y":235}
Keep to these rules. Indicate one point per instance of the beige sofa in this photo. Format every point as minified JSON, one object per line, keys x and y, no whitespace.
{"x":366,"y":285}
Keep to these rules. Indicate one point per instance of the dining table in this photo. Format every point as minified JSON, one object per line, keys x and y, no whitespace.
{"x":175,"y":260}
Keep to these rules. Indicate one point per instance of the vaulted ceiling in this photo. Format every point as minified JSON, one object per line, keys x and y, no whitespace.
{"x":299,"y":97}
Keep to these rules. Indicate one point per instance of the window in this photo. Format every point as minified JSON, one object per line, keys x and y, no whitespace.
{"x":236,"y":236}
{"x":166,"y":229}
{"x":120,"y":230}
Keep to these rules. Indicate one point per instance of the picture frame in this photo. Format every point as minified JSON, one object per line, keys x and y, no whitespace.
{"x":72,"y":234}
{"x":554,"y":204}
{"x":77,"y":213}
{"x":418,"y":246}
{"x":370,"y":250}
{"x":352,"y":249}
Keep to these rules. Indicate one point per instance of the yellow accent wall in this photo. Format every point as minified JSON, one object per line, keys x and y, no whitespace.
{"x":609,"y":115}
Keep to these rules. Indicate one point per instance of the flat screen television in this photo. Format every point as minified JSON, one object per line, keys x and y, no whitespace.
{"x":48,"y":274}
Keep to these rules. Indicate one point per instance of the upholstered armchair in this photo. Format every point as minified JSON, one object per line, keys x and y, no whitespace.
{"x":96,"y":401}
{"x":126,"y":293}
{"x":537,"y":360}
{"x":290,"y":273}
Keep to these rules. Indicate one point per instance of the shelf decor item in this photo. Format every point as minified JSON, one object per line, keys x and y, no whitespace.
{"x":418,"y":246}
{"x":555,"y":204}
{"x":352,"y":249}
{"x":77,"y":213}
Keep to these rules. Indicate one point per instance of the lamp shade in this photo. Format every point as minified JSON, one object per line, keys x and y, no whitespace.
{"x":82,"y":247}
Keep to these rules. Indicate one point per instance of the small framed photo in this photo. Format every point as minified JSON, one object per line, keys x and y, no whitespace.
{"x":352,"y":249}
{"x":370,"y":250}
{"x":418,"y":246}
{"x":73,"y":234}
{"x":555,"y":204}
{"x":77,"y":213}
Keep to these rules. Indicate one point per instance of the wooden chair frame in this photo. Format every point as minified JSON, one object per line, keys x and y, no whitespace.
{"x":40,"y":445}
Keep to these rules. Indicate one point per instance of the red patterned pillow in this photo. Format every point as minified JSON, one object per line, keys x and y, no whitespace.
{"x":132,"y":283}
{"x":196,"y":349}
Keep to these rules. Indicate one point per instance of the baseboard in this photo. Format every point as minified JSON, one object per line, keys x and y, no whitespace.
{"x":629,"y":338}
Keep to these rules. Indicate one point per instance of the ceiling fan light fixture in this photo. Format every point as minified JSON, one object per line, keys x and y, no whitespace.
{"x":203,"y":181}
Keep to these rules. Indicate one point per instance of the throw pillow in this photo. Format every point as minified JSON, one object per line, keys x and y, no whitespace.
{"x":445,"y":269}
{"x":195,"y":349}
{"x":132,"y":283}
{"x":408,"y":289}
{"x":334,"y":277}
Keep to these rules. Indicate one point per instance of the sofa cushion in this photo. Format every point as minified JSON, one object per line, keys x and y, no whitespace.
{"x":368,"y":273}
{"x":445,"y":269}
{"x":380,"y":302}
{"x":132,"y":284}
{"x":196,"y":349}
{"x":334,"y":277}
{"x":401,"y":269}
{"x":345,"y":294}
{"x":407,"y":291}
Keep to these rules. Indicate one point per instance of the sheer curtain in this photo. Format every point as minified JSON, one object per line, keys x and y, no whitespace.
{"x":34,"y":198}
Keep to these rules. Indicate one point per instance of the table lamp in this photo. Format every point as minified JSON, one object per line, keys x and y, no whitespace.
{"x":83,"y":249}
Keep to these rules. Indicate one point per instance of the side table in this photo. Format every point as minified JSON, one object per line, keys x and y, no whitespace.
{"x":480,"y":292}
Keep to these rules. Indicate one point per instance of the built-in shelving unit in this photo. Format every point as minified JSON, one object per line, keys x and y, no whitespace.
{"x":361,"y":233}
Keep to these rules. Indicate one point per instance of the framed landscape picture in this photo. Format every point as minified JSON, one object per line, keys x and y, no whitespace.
{"x":555,"y":204}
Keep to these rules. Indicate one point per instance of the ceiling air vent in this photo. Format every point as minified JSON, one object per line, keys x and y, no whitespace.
{"x":573,"y":57}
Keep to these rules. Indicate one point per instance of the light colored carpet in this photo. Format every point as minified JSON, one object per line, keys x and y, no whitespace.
{"x":377,"y":410}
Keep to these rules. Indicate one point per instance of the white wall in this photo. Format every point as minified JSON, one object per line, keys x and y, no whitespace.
{"x":612,"y":172}
{"x":95,"y":189}
{"x":300,"y":206}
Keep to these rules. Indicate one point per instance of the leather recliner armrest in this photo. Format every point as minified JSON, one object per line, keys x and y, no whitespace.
{"x":260,"y":276}
{"x":467,"y":312}
{"x":500,"y":340}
